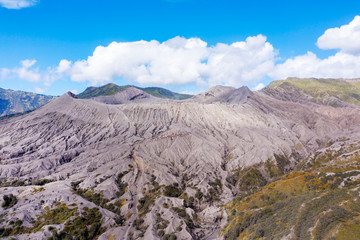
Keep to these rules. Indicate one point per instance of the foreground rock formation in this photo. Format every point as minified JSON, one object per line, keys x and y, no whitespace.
{"x":133,"y":166}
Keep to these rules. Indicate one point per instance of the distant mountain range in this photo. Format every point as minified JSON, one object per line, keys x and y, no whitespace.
{"x":333,"y":92}
{"x":112,"y":89}
{"x":15,"y":102}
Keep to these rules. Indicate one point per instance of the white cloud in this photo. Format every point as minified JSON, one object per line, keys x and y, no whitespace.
{"x":259,"y":87}
{"x":346,"y":38}
{"x":64,"y":66}
{"x":176,"y":61}
{"x":25,"y":73}
{"x":4,"y":73}
{"x":39,"y":90}
{"x":344,"y":64}
{"x":17,"y":4}
{"x":28,"y":63}
{"x":340,"y":65}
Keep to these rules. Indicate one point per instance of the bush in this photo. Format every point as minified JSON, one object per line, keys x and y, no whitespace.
{"x":9,"y":201}
{"x":42,"y":182}
{"x":87,"y":226}
{"x":171,"y":236}
{"x":172,"y":191}
{"x":121,"y":185}
{"x":234,"y":232}
{"x":182,"y":213}
{"x":199,"y":195}
{"x":252,"y":179}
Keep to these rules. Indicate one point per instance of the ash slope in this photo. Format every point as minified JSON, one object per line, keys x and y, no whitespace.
{"x":156,"y":169}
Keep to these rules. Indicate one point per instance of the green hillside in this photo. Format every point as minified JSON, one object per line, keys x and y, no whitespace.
{"x":324,"y":90}
{"x":111,"y":89}
{"x":14,"y":102}
{"x":319,"y":200}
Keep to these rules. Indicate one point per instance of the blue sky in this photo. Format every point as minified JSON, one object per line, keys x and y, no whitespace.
{"x":50,"y":31}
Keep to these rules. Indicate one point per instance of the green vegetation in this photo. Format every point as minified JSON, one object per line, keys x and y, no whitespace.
{"x":170,"y":236}
{"x":182,"y":213}
{"x":172,"y":190}
{"x":323,"y":90}
{"x":164,"y":93}
{"x":14,"y":228}
{"x":321,"y":195}
{"x":138,"y":225}
{"x":14,"y":103}
{"x":9,"y":201}
{"x":161,"y":224}
{"x":97,"y":198}
{"x":20,"y":183}
{"x":214,"y":191}
{"x":42,"y":182}
{"x":106,"y":90}
{"x":144,"y":204}
{"x":84,"y":227}
{"x":111,"y":89}
{"x":250,"y":179}
{"x":121,"y":185}
{"x":57,"y":215}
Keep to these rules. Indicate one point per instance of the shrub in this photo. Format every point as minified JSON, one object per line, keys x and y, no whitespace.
{"x":172,"y":191}
{"x":171,"y":236}
{"x":9,"y":201}
{"x":199,"y":195}
{"x":251,"y":179}
{"x":42,"y":182}
{"x":87,"y":226}
{"x":121,"y":185}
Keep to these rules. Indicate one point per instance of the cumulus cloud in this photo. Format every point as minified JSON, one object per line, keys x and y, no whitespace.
{"x":17,"y":4}
{"x":340,"y":65}
{"x":259,"y":87}
{"x":344,"y":64}
{"x":26,"y":73}
{"x":346,"y":38}
{"x":176,"y":61}
{"x":29,"y":73}
{"x":39,"y":90}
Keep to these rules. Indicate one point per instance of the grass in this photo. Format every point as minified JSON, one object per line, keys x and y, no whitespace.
{"x":321,"y":195}
{"x":321,"y":89}
{"x":57,"y":215}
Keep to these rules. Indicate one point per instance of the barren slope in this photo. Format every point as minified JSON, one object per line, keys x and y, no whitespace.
{"x":157,"y":169}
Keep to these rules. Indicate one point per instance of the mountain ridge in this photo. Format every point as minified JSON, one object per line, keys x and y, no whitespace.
{"x":164,"y":169}
{"x":16,"y":102}
{"x":111,"y":89}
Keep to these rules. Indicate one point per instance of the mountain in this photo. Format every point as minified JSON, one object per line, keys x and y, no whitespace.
{"x":227,"y":163}
{"x":130,"y":94}
{"x":318,"y":200}
{"x":111,"y":89}
{"x":14,"y":102}
{"x":335,"y":92}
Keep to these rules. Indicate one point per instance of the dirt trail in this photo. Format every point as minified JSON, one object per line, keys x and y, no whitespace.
{"x":135,"y":188}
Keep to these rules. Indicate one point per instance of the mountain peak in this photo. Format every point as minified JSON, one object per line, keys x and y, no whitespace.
{"x":111,"y":89}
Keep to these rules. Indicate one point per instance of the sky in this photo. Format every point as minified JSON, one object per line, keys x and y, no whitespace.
{"x":51,"y":47}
